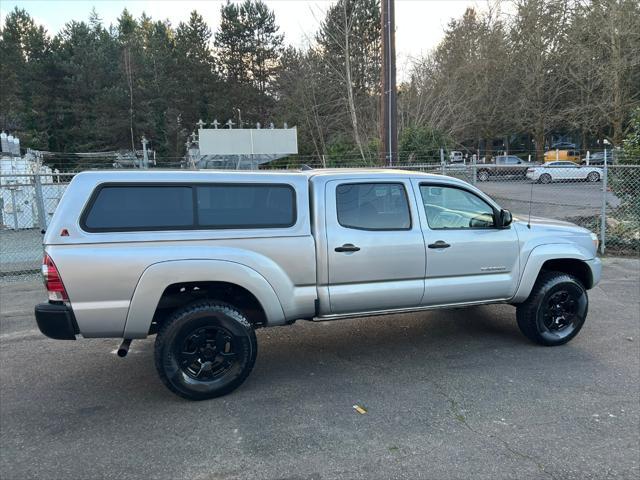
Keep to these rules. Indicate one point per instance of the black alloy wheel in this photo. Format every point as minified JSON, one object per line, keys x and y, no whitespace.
{"x":562,"y":312}
{"x":205,"y":350}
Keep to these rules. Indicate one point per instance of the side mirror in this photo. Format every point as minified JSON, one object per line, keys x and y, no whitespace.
{"x":505,"y":218}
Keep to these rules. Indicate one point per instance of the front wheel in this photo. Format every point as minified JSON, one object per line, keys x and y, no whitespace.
{"x":555,"y":311}
{"x":205,"y":350}
{"x":483,"y":175}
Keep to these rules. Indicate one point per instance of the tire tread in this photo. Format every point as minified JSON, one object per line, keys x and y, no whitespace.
{"x":195,"y":307}
{"x":526,"y":312}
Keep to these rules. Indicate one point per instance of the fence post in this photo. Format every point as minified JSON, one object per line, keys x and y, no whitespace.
{"x":13,"y":207}
{"x":42,"y":214}
{"x":442,"y":160}
{"x":603,"y":215}
{"x":474,"y":169}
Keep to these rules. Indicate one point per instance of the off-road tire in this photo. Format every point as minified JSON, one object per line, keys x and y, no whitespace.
{"x":204,"y":315}
{"x":545,"y":178}
{"x":531,"y":313}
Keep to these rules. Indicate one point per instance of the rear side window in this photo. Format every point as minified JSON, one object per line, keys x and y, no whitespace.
{"x":124,"y":208}
{"x":373,"y":206}
{"x":127,"y":208}
{"x":245,"y":206}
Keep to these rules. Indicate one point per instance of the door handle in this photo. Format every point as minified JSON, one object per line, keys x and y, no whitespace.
{"x":347,"y":247}
{"x":439,"y":244}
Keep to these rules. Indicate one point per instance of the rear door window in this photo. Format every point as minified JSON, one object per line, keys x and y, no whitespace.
{"x":373,"y":206}
{"x":130,"y":208}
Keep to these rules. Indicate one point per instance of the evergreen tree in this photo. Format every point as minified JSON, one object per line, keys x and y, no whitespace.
{"x":249,"y":48}
{"x":26,"y":61}
{"x":197,"y":89}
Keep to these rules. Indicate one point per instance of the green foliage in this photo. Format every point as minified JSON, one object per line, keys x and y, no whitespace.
{"x":550,"y":65}
{"x":632,"y":142}
{"x":89,"y":88}
{"x":248,"y":50}
{"x":422,"y":144}
{"x":625,"y":181}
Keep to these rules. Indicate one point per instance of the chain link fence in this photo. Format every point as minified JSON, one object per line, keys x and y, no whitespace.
{"x":27,"y":203}
{"x":606,"y":200}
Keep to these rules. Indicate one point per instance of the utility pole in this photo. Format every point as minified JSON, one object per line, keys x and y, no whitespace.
{"x":389,"y":107}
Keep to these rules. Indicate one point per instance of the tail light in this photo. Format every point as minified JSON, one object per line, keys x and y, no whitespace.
{"x":52,"y":281}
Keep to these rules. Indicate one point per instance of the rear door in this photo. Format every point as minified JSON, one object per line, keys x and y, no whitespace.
{"x":469,"y":259}
{"x":375,"y":250}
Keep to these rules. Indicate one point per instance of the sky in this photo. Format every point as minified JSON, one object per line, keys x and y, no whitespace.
{"x":420,"y":24}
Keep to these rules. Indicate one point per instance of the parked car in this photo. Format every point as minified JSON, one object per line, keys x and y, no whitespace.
{"x":563,"y":172}
{"x":563,"y":146}
{"x":566,"y":155}
{"x":456,"y":156}
{"x":503,"y":166}
{"x":597,"y":158}
{"x":202,"y":259}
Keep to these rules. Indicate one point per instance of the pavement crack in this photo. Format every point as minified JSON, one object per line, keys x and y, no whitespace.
{"x":458,"y":415}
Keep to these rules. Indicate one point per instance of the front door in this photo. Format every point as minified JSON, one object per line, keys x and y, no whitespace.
{"x":375,"y":249}
{"x":469,"y":259}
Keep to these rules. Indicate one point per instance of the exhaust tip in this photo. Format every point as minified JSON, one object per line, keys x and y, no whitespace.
{"x":124,"y":348}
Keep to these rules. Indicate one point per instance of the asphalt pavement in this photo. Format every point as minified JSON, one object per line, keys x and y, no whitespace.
{"x":555,"y":200}
{"x":456,"y":394}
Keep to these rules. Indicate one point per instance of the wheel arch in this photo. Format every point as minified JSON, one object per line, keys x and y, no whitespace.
{"x":566,"y":258}
{"x":167,"y":279}
{"x":571,"y":266}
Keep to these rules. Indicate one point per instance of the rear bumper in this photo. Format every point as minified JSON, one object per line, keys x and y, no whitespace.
{"x":56,"y":321}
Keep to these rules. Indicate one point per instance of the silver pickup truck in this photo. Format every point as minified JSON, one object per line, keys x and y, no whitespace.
{"x":202,"y":259}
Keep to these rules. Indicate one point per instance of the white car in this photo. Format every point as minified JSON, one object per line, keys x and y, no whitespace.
{"x":563,"y":172}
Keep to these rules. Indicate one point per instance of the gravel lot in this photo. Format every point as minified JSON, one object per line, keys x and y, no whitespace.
{"x":449,"y":395}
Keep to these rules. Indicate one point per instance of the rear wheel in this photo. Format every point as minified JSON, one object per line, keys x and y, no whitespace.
{"x":555,"y":311}
{"x":205,"y":350}
{"x":545,"y":178}
{"x":593,"y":177}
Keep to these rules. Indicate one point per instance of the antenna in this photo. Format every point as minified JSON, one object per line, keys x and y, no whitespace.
{"x":530,"y":202}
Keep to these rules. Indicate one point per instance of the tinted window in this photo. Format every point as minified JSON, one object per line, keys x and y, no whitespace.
{"x":448,"y":207}
{"x":140,"y":208}
{"x":373,"y":206}
{"x":244,"y":206}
